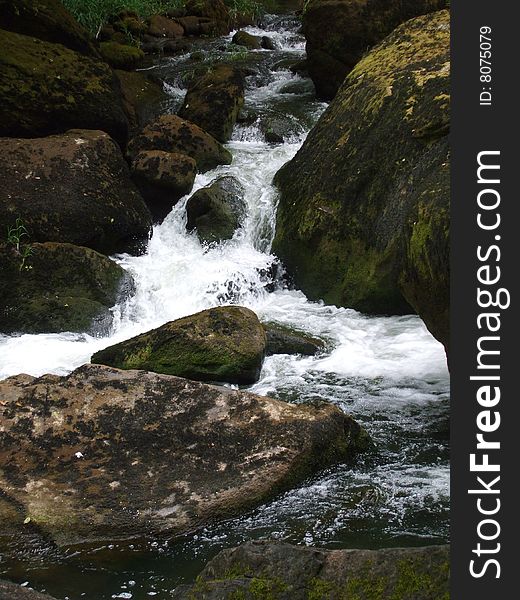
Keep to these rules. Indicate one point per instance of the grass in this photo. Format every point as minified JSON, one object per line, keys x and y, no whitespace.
{"x":15,"y":235}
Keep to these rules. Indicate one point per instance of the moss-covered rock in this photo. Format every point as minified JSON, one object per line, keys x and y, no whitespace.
{"x":104,"y":454}
{"x":339,"y":32}
{"x":214,"y":101}
{"x":58,"y":287}
{"x":219,"y":344}
{"x":216,"y":13}
{"x":121,"y":56}
{"x":163,"y":178}
{"x":279,"y":571}
{"x":216,"y":211}
{"x":73,"y":188}
{"x":363,"y":219}
{"x":46,"y":20}
{"x":243,"y":38}
{"x":46,"y":88}
{"x":282,"y":339}
{"x":170,"y":133}
{"x":143,"y":99}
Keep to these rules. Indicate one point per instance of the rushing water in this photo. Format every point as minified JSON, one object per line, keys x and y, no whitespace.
{"x":389,"y":373}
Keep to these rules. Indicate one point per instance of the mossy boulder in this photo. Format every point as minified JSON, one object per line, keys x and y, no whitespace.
{"x":363,"y":218}
{"x":121,"y":56}
{"x":225,"y":344}
{"x":46,"y":20}
{"x":104,"y":454}
{"x":163,"y":178}
{"x":280,"y":571}
{"x":216,"y":13}
{"x":339,"y":32}
{"x":282,"y":339}
{"x":216,"y":211}
{"x":46,"y":88}
{"x":214,"y":101}
{"x":170,"y":133}
{"x":59,"y":287}
{"x":74,"y":188}
{"x":247,"y":40}
{"x":143,"y":98}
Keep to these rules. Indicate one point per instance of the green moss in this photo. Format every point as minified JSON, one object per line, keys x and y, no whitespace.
{"x":121,"y":56}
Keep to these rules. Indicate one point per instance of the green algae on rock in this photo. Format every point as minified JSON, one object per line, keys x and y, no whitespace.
{"x":226,"y":343}
{"x":121,"y":56}
{"x":151,"y":454}
{"x":73,"y":188}
{"x":363,"y":218}
{"x":339,"y":32}
{"x":217,"y":210}
{"x":46,"y":88}
{"x":60,"y":288}
{"x":170,"y":133}
{"x":280,"y":571}
{"x":213,"y":102}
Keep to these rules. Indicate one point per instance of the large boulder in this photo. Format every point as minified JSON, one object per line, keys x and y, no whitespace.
{"x":215,"y":13}
{"x":363,"y":218}
{"x":213,"y":101}
{"x":163,"y":178}
{"x":170,"y":133}
{"x":103,"y":454}
{"x":162,"y":26}
{"x":74,"y":188}
{"x":225,"y":344}
{"x":243,"y":38}
{"x":339,"y":32}
{"x":58,"y":287}
{"x":46,"y":20}
{"x":47,"y":88}
{"x":280,"y":571}
{"x":216,"y":211}
{"x":121,"y":56}
{"x":283,"y":339}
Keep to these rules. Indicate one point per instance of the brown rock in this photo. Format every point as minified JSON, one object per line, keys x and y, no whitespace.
{"x":160,"y":26}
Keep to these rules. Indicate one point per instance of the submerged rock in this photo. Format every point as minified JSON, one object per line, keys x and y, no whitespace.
{"x":58,"y":287}
{"x":213,"y":102}
{"x":170,"y":133}
{"x":363,"y":218}
{"x":74,"y":188}
{"x":282,"y":339}
{"x":103,"y":454}
{"x":339,"y":32}
{"x":225,"y":344}
{"x":163,"y":178}
{"x":47,"y":88}
{"x":216,"y":211}
{"x":46,"y":20}
{"x":280,"y":571}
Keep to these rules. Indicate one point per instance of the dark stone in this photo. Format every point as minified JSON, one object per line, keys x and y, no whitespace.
{"x":121,"y":56}
{"x":242,"y":38}
{"x":13,"y":591}
{"x":282,"y":339}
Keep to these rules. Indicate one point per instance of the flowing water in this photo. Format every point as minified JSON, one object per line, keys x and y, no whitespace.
{"x":388,"y":372}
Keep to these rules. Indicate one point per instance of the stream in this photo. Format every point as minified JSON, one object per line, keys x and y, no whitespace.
{"x":388,"y":372}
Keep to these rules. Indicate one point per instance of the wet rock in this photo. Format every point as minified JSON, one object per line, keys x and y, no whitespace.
{"x":73,"y":188}
{"x":363,"y":219}
{"x":58,"y":287}
{"x":121,"y":56}
{"x":278,"y":127}
{"x":161,"y":26}
{"x":143,"y":99}
{"x":213,"y":102}
{"x":299,"y":87}
{"x":152,"y":454}
{"x":153,"y":45}
{"x":163,"y":178}
{"x":215,"y":12}
{"x":170,"y":133}
{"x":216,"y":211}
{"x":47,"y":88}
{"x":242,"y":38}
{"x":339,"y":32}
{"x":280,"y":571}
{"x":13,"y":591}
{"x":225,"y":344}
{"x":282,"y":339}
{"x":267,"y":43}
{"x":47,"y":20}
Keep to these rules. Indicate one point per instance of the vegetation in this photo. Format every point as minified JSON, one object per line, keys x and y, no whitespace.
{"x":15,"y":235}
